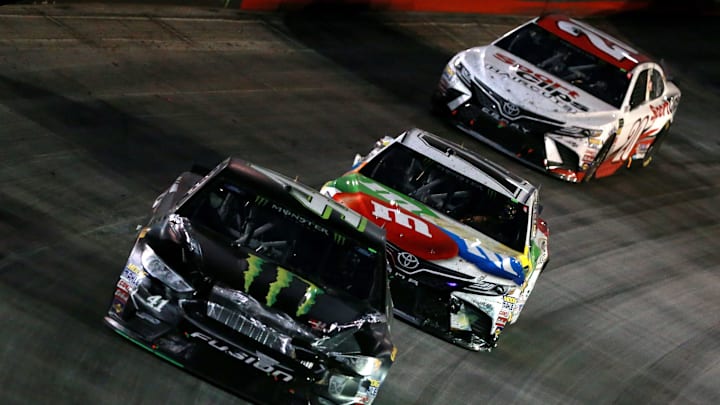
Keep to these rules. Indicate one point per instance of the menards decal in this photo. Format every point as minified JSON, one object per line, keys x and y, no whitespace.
{"x":283,"y":279}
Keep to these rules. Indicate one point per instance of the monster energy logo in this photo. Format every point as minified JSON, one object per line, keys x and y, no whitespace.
{"x":254,"y":269}
{"x":339,"y":239}
{"x":283,"y":280}
{"x":259,"y":200}
{"x":308,"y":300}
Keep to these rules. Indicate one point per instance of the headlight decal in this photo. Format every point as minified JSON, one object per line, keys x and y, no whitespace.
{"x":157,"y":268}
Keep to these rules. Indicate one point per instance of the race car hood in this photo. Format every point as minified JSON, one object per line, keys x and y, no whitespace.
{"x":280,"y":290}
{"x":237,"y":281}
{"x":422,"y":231}
{"x":534,"y":89}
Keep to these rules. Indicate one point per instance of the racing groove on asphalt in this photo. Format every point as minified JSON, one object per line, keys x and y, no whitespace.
{"x":100,"y":108}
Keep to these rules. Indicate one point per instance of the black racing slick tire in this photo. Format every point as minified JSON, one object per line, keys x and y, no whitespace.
{"x":599,"y":159}
{"x":655,"y":146}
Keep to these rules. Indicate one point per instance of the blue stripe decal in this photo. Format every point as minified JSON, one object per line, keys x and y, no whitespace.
{"x":488,"y":261}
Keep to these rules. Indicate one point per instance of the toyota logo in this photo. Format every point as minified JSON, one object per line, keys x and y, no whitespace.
{"x":510,"y":109}
{"x":407,"y":261}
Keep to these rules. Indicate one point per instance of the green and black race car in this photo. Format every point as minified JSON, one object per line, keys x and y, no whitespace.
{"x":262,"y":286}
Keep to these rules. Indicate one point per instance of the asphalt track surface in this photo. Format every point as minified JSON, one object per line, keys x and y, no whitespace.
{"x":101,"y":107}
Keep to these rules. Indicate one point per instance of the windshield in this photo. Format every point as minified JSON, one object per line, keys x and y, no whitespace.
{"x":568,"y":62}
{"x":451,"y":193}
{"x":246,"y":220}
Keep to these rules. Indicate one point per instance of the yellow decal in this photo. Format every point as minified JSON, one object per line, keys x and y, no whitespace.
{"x":308,"y":300}
{"x":511,"y":300}
{"x":283,"y":280}
{"x":393,"y":354}
{"x":135,"y":269}
{"x":254,"y":268}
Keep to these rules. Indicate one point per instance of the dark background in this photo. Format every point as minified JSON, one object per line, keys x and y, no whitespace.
{"x":101,"y":106}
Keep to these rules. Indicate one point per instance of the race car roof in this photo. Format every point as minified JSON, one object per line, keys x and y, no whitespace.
{"x":468,"y":164}
{"x":299,"y":197}
{"x":592,"y":40}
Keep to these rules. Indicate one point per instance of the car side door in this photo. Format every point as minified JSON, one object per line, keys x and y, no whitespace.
{"x":635,"y":115}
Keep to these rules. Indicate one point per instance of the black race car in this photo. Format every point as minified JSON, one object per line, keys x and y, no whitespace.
{"x":262,"y":286}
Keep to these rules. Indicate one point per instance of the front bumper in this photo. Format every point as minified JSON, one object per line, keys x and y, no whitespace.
{"x":481,"y":113}
{"x":179,"y":331}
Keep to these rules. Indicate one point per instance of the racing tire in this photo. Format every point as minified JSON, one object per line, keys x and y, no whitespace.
{"x":437,"y":107}
{"x":599,"y":159}
{"x":655,"y":146}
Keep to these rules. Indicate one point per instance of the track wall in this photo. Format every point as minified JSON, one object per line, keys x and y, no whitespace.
{"x":515,"y":7}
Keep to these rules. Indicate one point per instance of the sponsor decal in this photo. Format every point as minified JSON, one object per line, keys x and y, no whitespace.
{"x":258,"y":360}
{"x":660,"y":110}
{"x":121,"y":296}
{"x":253,"y":270}
{"x":491,"y":262}
{"x":373,"y":388}
{"x":393,"y":354}
{"x":283,"y":279}
{"x":403,"y":228}
{"x":300,"y":219}
{"x":367,"y":186}
{"x":123,"y":285}
{"x":401,"y":218}
{"x":538,"y":83}
{"x":315,"y":202}
{"x":133,"y":274}
{"x":308,"y":300}
{"x":118,"y":306}
{"x":503,"y":318}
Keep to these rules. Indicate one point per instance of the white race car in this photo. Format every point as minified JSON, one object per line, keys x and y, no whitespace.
{"x":464,"y":237}
{"x":562,"y":96}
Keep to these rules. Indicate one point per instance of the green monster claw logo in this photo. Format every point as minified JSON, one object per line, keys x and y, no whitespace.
{"x":283,"y":280}
{"x":254,"y":268}
{"x":308,"y":300}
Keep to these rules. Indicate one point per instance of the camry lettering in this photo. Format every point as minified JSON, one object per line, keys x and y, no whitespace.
{"x":600,"y":42}
{"x":400,"y":218}
{"x":258,"y":360}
